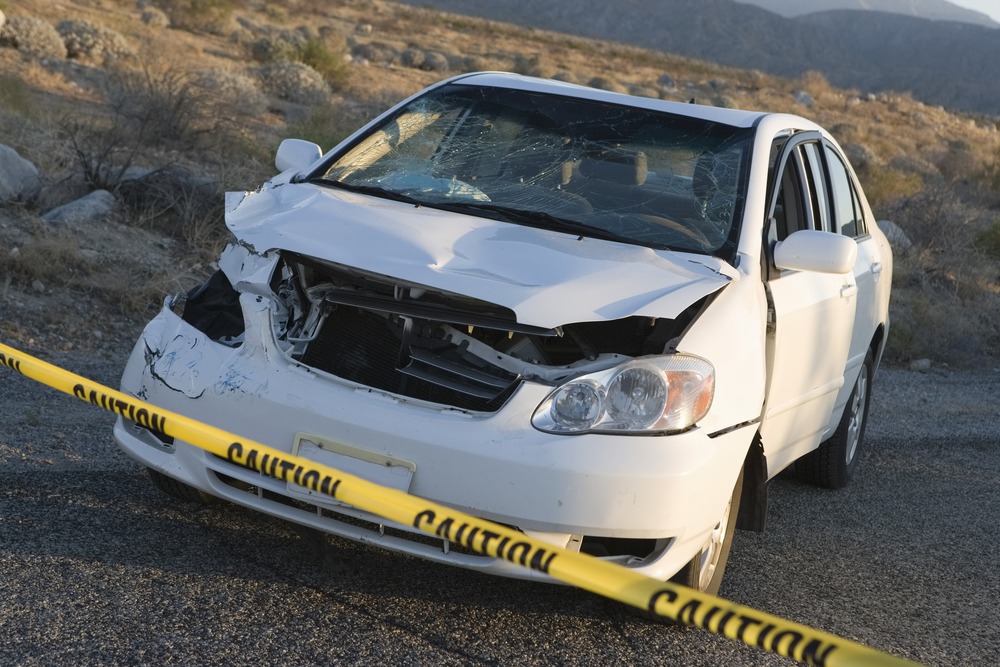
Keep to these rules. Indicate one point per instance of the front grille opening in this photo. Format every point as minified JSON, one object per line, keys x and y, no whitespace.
{"x":372,"y":350}
{"x":604,"y":547}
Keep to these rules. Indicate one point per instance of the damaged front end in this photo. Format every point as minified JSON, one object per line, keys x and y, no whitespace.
{"x":414,"y":341}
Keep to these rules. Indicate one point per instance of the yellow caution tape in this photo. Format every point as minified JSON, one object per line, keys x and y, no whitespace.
{"x":671,"y":601}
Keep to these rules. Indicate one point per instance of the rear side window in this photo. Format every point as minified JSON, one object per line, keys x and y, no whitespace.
{"x":846,"y":205}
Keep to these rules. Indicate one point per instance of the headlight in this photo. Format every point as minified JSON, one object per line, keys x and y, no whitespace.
{"x":648,"y":395}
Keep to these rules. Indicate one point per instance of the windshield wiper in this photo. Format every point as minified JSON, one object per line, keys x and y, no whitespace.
{"x":541,"y":220}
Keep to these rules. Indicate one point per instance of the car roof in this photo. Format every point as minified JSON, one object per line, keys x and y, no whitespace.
{"x":734,"y":117}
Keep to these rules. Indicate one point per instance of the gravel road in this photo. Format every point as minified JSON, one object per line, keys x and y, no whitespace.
{"x":97,"y":567}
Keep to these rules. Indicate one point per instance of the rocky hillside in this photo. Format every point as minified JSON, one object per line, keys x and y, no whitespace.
{"x":932,"y":10}
{"x":152,"y":111}
{"x":938,"y":62}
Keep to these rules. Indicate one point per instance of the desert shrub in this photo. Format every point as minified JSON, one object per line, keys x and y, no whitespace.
{"x":273,"y":49}
{"x":14,"y":95}
{"x":179,"y":202}
{"x":276,"y":12}
{"x":198,"y":15}
{"x":293,"y":81}
{"x":938,"y":222}
{"x":158,"y":109}
{"x":329,"y":63}
{"x":32,"y":36}
{"x":932,"y":323}
{"x":155,"y":18}
{"x":989,"y":240}
{"x":87,"y":41}
{"x":34,"y":261}
{"x":296,"y":47}
{"x":991,"y":173}
{"x":234,"y":95}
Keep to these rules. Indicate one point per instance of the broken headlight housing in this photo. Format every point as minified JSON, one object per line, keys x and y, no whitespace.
{"x":648,"y":395}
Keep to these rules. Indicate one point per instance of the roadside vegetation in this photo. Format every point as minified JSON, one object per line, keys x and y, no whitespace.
{"x":168,"y":104}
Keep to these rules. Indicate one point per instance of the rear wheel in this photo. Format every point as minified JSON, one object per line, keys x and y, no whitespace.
{"x":178,"y":490}
{"x":833,"y":463}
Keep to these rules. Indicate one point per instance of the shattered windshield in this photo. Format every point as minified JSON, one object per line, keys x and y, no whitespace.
{"x":590,"y":168}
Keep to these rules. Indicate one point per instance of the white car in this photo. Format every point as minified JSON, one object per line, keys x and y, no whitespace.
{"x":606,"y":321}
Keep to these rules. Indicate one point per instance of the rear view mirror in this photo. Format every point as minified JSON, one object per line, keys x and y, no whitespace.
{"x":812,"y":250}
{"x":296,"y":154}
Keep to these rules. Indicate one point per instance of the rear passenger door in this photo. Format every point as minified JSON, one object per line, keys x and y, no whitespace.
{"x":811,"y":314}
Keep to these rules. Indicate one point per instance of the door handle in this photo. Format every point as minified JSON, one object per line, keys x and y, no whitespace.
{"x":876,"y":268}
{"x":847,"y":291}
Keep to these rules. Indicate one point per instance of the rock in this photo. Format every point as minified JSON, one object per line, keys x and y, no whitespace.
{"x":37,"y":285}
{"x":804,"y":98}
{"x":155,"y":18}
{"x":898,"y":239}
{"x":98,"y":204}
{"x":922,"y":365}
{"x":19,"y":179}
{"x":666,"y":82}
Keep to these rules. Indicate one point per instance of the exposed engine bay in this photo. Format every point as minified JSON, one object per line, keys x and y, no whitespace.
{"x":418,"y":342}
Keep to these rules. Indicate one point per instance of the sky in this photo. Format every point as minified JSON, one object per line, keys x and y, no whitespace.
{"x":989,"y":7}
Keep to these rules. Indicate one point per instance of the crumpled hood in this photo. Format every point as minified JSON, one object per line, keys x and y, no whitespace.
{"x":547,"y":278}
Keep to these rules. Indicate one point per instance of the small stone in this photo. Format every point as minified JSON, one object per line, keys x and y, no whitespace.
{"x":37,"y":285}
{"x":922,"y":365}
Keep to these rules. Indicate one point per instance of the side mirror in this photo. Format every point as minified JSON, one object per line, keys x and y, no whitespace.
{"x":811,"y":250}
{"x":296,"y":154}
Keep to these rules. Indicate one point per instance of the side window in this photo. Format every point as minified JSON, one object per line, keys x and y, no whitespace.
{"x":846,"y":205}
{"x":792,"y":210}
{"x":817,"y":186}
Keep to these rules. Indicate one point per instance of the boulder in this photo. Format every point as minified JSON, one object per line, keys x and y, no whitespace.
{"x":19,"y":180}
{"x":98,"y":204}
{"x":898,"y":239}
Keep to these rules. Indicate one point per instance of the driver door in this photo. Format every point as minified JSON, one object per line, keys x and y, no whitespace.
{"x":810,"y":314}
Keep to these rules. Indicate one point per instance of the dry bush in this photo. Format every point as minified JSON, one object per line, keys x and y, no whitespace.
{"x":210,"y":16}
{"x":88,"y":41}
{"x":33,"y":36}
{"x":49,"y":248}
{"x":293,"y":81}
{"x":14,"y":95}
{"x":330,"y":63}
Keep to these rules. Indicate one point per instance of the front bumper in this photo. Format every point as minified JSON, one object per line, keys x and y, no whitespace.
{"x":667,"y":489}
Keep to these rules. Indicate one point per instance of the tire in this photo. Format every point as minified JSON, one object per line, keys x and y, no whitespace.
{"x":178,"y":490}
{"x":705,"y":571}
{"x":833,"y":463}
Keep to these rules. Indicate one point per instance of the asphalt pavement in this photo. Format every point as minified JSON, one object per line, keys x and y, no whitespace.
{"x":98,"y":567}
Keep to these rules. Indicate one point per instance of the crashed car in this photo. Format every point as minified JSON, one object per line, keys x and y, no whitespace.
{"x":602,"y":320}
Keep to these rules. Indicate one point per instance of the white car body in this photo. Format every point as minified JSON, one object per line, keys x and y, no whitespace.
{"x":787,"y":327}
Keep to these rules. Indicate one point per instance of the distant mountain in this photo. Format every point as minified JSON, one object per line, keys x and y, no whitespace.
{"x":940,"y":62}
{"x":932,"y":10}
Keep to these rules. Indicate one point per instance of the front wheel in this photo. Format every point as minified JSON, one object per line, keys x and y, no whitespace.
{"x":833,"y":463}
{"x":704,"y":572}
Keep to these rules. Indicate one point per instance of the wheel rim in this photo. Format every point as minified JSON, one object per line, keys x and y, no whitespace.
{"x":857,"y":415}
{"x":712,"y":551}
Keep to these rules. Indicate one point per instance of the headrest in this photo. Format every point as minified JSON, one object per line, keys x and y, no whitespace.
{"x":617,"y":166}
